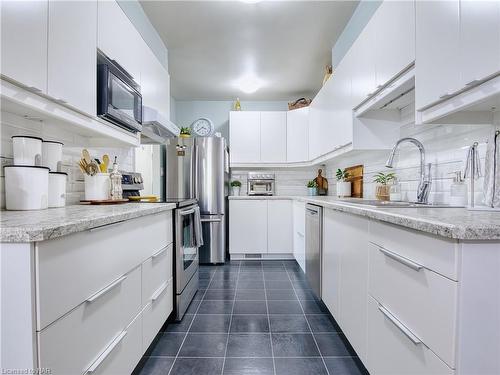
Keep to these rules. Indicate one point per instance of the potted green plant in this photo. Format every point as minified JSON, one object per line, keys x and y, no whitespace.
{"x":343,"y":186}
{"x":311,"y":187}
{"x":382,"y":189}
{"x":235,"y":187}
{"x":185,"y":132}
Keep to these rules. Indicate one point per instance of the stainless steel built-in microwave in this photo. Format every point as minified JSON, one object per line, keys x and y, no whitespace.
{"x":119,"y":97}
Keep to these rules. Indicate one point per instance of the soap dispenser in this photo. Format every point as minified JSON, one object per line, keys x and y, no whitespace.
{"x":458,"y":190}
{"x":116,"y":182}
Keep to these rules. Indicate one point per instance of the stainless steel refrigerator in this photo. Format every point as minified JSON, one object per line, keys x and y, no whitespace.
{"x":199,"y":168}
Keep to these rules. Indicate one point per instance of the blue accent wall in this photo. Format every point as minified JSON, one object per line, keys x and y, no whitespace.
{"x":362,"y":14}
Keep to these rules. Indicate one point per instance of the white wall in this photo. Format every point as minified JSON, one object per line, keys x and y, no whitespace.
{"x":218,"y":111}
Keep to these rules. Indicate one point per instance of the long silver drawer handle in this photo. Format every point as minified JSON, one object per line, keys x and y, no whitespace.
{"x":157,"y":254}
{"x":106,"y":353}
{"x":300,"y":234}
{"x":95,"y":296}
{"x":400,"y":325}
{"x":106,"y":226}
{"x":159,"y":291}
{"x":400,"y":259}
{"x":211,"y":220}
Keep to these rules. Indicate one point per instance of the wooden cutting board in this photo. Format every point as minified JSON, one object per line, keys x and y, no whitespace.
{"x":356,"y":180}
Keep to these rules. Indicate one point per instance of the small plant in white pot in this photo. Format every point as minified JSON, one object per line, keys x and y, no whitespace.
{"x":235,"y":187}
{"x":312,"y":187}
{"x":343,"y":186}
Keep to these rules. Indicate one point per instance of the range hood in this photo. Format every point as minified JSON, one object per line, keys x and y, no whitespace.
{"x":395,"y":95}
{"x":156,"y":128}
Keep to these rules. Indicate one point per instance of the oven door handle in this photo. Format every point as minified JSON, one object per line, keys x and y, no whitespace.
{"x":187,"y":212}
{"x":198,"y":229}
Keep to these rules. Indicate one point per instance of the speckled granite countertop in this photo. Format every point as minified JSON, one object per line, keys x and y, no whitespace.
{"x":456,"y":223}
{"x":30,"y":226}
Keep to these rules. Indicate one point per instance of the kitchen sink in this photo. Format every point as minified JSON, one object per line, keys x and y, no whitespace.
{"x":388,"y":204}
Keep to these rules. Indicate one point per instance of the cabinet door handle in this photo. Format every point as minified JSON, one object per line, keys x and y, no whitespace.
{"x":106,"y":353}
{"x":34,"y":89}
{"x":106,"y":226}
{"x":473,"y":82}
{"x":159,"y":292}
{"x":398,"y":258}
{"x":400,"y":325}
{"x":445,"y":95}
{"x":100,"y":293}
{"x":157,"y":254}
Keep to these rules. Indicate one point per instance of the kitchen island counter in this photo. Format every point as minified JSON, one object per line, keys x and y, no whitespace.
{"x":31,"y":226}
{"x":455,"y":223}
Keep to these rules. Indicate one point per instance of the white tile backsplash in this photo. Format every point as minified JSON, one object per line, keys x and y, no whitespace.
{"x":446,"y":148}
{"x":16,"y":125}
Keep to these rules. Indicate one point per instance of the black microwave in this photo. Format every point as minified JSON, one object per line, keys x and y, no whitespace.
{"x":119,"y":97}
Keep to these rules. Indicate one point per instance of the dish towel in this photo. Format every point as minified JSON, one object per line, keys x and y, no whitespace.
{"x":491,"y":187}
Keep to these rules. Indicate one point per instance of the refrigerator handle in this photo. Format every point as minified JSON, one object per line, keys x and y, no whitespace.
{"x":198,"y":227}
{"x":196,"y":168}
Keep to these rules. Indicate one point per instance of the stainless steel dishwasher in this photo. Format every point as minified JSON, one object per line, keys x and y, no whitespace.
{"x":314,"y":240}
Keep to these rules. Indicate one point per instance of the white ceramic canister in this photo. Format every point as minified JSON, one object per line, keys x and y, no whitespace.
{"x":97,"y":187}
{"x":27,"y":150}
{"x":26,"y":187}
{"x":51,"y":154}
{"x":57,"y":189}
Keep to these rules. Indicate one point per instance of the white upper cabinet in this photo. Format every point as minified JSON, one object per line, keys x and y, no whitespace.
{"x":155,"y":82}
{"x":363,"y":65}
{"x":244,"y":136}
{"x":280,"y":226}
{"x":479,"y":40}
{"x":340,"y":132}
{"x":72,"y":53}
{"x":24,"y":42}
{"x":118,"y":38}
{"x":297,"y":127}
{"x":273,"y":137}
{"x":437,"y":51}
{"x":395,"y":38}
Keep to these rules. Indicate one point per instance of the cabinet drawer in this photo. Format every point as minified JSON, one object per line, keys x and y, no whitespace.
{"x":391,"y":351}
{"x":72,"y":268}
{"x":156,"y":270}
{"x":434,"y":253}
{"x":157,"y":311}
{"x":123,"y":354}
{"x":71,"y":344}
{"x":423,"y":300}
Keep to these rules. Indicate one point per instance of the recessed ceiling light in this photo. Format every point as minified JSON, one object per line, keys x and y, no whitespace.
{"x":251,"y":1}
{"x":249,"y":83}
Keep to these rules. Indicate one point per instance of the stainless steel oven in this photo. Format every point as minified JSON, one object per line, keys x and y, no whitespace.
{"x":188,"y":239}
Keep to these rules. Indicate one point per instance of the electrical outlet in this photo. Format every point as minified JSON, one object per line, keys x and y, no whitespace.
{"x":3,"y":162}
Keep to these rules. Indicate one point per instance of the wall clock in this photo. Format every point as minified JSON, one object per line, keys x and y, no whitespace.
{"x":203,"y":127}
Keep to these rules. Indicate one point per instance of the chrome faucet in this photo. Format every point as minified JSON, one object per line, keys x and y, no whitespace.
{"x":424,"y":187}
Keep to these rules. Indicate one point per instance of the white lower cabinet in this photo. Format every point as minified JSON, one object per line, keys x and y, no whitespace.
{"x":411,"y":291}
{"x":393,"y":349}
{"x":248,"y":226}
{"x":71,"y":344}
{"x":279,"y":226}
{"x":260,"y":226}
{"x":100,"y":297}
{"x":124,"y":353}
{"x":299,"y":233}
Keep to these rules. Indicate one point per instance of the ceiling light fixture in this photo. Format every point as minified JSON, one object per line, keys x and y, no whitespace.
{"x":249,"y":83}
{"x":251,"y":1}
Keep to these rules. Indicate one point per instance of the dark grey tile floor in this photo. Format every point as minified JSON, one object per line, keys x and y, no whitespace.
{"x":252,"y":317}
